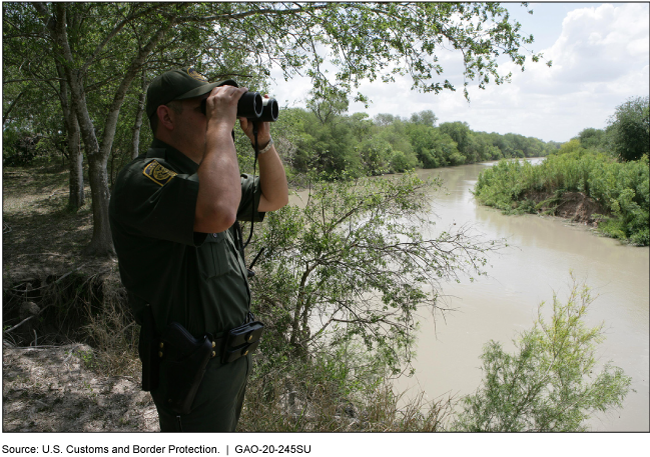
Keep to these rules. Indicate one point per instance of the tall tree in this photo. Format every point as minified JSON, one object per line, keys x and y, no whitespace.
{"x":71,"y":28}
{"x":464,"y":138}
{"x":426,"y":117}
{"x":40,"y":80}
{"x":107,"y":45}
{"x":629,"y":128}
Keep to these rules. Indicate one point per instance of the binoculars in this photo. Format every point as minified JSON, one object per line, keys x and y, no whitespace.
{"x":253,"y":106}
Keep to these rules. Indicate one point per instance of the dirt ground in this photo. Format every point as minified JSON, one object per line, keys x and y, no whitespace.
{"x":575,"y":207}
{"x":40,"y":236}
{"x":49,"y":389}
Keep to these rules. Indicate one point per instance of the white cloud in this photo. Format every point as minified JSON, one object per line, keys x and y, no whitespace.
{"x":600,"y":59}
{"x":600,"y":44}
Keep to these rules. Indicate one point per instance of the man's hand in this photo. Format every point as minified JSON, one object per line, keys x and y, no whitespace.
{"x":263,"y":130}
{"x":275,"y":192}
{"x":221,"y":105}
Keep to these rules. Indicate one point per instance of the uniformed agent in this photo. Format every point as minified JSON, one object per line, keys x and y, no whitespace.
{"x":172,"y":212}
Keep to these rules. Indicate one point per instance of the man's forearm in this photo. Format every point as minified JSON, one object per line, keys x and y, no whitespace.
{"x":273,"y":181}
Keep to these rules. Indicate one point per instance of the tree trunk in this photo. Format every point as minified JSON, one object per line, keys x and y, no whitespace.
{"x":76,"y":184}
{"x":77,"y":196}
{"x":135,"y":141}
{"x":101,"y":244}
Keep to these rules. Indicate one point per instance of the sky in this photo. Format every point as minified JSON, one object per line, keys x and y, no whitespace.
{"x":600,"y":54}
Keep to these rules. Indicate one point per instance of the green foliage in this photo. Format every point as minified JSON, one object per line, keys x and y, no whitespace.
{"x":19,"y":148}
{"x":92,"y":61}
{"x":620,"y":188}
{"x":325,"y":141}
{"x":591,"y":138}
{"x":501,"y":185}
{"x":353,"y":266}
{"x":462,"y":135}
{"x":630,"y":128}
{"x":376,"y":154}
{"x":426,"y":117}
{"x":625,"y":187}
{"x":550,"y":382}
{"x":326,"y":395}
{"x":433,"y":147}
{"x":401,"y":162}
{"x":571,"y":146}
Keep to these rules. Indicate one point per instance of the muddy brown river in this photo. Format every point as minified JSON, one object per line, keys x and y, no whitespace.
{"x":543,"y":252}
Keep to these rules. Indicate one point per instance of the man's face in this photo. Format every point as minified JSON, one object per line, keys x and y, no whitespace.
{"x":190,"y":127}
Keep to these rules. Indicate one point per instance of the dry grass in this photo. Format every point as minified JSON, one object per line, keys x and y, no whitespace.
{"x":55,"y":389}
{"x":305,"y":402}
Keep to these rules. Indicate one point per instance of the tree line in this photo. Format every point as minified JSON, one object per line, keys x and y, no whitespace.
{"x":627,"y":135}
{"x":356,"y":145}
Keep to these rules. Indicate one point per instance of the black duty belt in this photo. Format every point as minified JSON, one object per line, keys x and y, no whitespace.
{"x":176,"y":343}
{"x":185,"y":358}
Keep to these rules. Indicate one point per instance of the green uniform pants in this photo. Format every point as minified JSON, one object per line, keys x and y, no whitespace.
{"x":217,"y":404}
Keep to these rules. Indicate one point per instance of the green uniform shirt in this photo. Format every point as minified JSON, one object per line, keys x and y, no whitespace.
{"x":196,"y":279}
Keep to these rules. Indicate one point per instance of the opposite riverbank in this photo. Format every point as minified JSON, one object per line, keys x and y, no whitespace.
{"x":583,"y":186}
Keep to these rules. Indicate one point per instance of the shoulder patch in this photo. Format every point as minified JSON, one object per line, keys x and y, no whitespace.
{"x":157,"y":173}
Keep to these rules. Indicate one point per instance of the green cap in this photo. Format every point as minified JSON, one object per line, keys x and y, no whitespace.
{"x":179,"y":85}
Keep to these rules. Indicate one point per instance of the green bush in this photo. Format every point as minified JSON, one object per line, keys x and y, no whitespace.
{"x":620,"y":188}
{"x":549,"y":383}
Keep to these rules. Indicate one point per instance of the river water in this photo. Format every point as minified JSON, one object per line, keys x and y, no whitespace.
{"x":542,"y":253}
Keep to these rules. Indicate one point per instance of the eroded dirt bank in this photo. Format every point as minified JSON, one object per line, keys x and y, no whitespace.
{"x":573,"y":206}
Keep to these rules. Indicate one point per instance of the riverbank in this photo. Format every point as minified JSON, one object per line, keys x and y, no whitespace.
{"x":583,"y":186}
{"x":574,"y":207}
{"x":542,"y":252}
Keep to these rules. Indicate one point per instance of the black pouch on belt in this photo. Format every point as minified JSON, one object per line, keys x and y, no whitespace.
{"x":184,"y":361}
{"x":242,"y":340}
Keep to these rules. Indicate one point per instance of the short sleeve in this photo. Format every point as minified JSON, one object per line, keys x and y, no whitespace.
{"x":165,"y":211}
{"x":250,"y":199}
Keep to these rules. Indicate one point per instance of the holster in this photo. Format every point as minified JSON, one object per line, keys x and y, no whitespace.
{"x":184,"y":359}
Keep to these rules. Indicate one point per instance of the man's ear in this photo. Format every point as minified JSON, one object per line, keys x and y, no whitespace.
{"x":165,"y":117}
